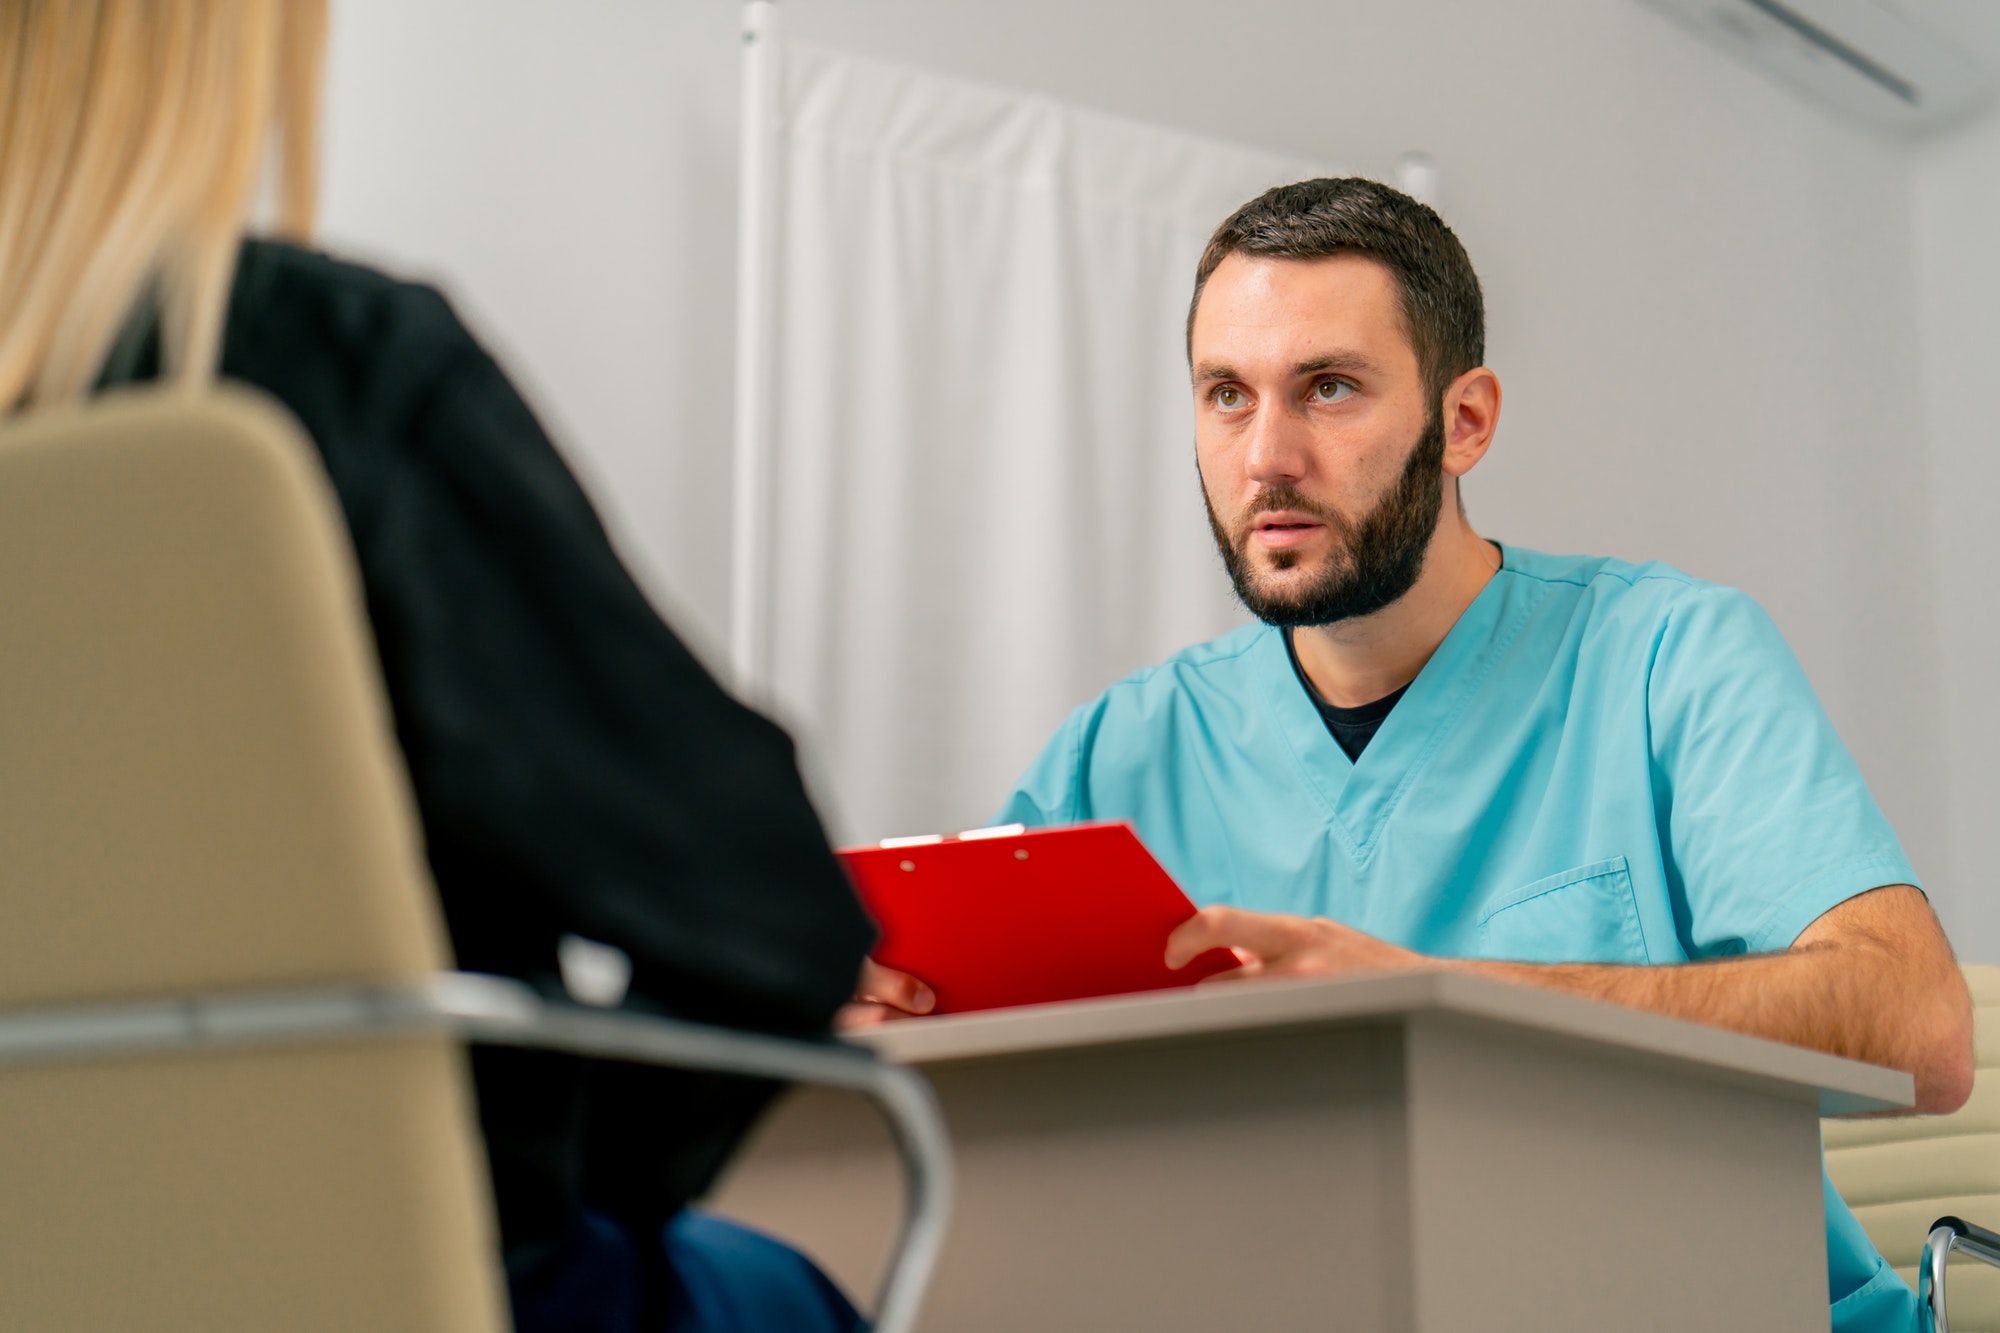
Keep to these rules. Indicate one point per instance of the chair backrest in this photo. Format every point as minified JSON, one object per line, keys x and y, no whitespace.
{"x":200,"y":791}
{"x":1902,"y":1173}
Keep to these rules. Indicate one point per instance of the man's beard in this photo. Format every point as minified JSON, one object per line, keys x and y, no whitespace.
{"x":1373,"y":562}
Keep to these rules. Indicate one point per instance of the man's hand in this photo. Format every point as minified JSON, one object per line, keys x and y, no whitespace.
{"x":1270,"y":945}
{"x":881,"y":994}
{"x":1872,"y":979}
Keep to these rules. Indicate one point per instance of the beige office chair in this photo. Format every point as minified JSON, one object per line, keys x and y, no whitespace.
{"x":1901,"y":1175}
{"x":232,"y":1086}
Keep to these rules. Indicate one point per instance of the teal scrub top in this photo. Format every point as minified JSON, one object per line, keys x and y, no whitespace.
{"x":1602,"y":762}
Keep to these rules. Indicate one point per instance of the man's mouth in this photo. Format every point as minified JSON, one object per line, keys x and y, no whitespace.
{"x":1284,"y":529}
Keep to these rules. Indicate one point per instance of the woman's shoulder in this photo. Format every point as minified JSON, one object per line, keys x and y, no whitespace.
{"x":291,"y":294}
{"x":360,"y":356}
{"x":378,"y":370}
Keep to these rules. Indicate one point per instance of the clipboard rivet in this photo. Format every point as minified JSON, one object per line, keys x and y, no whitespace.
{"x":1020,"y":853}
{"x":909,"y":865}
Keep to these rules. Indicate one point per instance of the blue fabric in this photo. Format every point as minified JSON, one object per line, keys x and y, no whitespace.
{"x":587,"y":1284}
{"x":727,"y":1279}
{"x":1602,"y":762}
{"x":735,"y":1280}
{"x":1868,"y":1296}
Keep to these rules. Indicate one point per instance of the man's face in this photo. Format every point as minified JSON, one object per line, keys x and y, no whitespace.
{"x":1320,"y":454}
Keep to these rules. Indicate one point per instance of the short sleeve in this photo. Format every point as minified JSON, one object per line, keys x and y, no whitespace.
{"x":1050,"y":792}
{"x":1767,"y":822}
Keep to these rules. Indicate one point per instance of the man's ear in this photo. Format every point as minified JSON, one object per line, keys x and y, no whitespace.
{"x":1471,"y":415}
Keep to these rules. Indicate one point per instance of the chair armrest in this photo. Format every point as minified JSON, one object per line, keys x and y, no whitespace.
{"x":503,"y":1011}
{"x":1948,"y":1234}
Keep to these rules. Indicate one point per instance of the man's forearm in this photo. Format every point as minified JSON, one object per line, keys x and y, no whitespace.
{"x":1791,"y":997}
{"x":1872,"y":979}
{"x":1853,"y":996}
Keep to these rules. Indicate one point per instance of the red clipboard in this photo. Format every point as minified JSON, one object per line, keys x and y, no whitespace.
{"x":1006,"y":917}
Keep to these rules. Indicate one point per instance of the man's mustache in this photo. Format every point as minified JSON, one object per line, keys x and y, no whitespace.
{"x":1275,"y":498}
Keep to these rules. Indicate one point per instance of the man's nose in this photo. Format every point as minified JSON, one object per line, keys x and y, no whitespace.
{"x":1280,"y":449}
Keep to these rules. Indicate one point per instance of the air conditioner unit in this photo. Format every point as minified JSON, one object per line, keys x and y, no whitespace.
{"x":1896,"y":64}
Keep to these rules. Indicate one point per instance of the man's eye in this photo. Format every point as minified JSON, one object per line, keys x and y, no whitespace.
{"x":1331,"y":391}
{"x":1228,"y":398}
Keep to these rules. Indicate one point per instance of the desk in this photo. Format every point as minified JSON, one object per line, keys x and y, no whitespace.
{"x":1414,"y":1151}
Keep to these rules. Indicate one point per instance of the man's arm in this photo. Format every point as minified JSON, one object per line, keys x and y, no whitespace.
{"x":1872,"y":979}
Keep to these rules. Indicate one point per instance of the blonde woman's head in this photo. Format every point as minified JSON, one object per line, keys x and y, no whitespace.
{"x":136,"y":134}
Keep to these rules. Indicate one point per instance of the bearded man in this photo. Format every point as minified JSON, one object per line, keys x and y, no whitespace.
{"x":1571,"y":772}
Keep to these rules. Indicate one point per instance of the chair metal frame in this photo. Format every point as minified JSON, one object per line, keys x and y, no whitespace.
{"x":1949,"y":1234}
{"x":501,"y":1011}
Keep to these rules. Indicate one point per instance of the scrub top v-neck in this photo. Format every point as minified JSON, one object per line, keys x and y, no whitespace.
{"x":1351,"y":728}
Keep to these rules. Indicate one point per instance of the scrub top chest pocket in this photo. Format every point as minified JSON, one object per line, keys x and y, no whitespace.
{"x":1585,"y":915}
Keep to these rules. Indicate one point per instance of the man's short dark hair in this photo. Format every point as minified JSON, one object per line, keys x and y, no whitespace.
{"x":1443,"y":312}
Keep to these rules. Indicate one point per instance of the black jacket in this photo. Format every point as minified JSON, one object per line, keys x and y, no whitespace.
{"x":575,"y":768}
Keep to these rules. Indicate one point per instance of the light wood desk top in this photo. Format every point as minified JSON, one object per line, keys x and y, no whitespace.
{"x":1844,"y":1087}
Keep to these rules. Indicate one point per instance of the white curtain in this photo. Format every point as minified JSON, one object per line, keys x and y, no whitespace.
{"x":984,"y":505}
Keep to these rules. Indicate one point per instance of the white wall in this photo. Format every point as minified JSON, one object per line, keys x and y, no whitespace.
{"x":1957,"y":194}
{"x":568,"y":172}
{"x":1702,"y":291}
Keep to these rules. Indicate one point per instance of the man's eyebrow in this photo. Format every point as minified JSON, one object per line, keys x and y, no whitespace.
{"x":1352,"y":362}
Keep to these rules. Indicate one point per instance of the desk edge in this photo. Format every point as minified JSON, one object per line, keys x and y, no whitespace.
{"x":1842,"y":1086}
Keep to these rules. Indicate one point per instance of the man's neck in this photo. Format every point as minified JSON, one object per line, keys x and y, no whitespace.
{"x":1359,"y":661}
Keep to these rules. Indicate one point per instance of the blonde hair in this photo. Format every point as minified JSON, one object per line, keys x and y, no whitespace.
{"x":136,"y":133}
